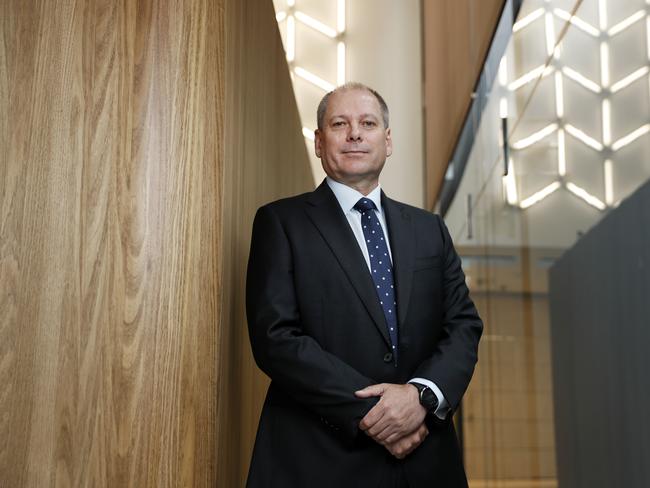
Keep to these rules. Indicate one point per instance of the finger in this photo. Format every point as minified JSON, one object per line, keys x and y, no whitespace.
{"x":381,"y":435}
{"x":406,"y":445}
{"x":396,"y":435}
{"x":397,"y":447}
{"x":371,"y":417}
{"x":380,"y":424}
{"x":400,"y":451}
{"x":371,"y":391}
{"x":394,"y":423}
{"x":392,"y":438}
{"x":406,"y":449}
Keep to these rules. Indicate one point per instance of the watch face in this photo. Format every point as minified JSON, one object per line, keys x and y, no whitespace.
{"x":428,"y":399}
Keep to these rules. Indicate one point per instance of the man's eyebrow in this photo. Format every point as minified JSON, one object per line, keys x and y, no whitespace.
{"x":363,"y":116}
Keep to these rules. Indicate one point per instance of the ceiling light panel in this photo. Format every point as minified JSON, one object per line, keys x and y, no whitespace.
{"x":592,"y":52}
{"x":314,"y":40}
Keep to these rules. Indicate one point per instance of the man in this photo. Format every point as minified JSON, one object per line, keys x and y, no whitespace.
{"x":358,"y":311}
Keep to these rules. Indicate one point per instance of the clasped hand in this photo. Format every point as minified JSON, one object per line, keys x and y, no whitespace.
{"x":397,"y":420}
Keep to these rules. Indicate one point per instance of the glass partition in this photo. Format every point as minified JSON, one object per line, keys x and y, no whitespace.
{"x":573,"y":91}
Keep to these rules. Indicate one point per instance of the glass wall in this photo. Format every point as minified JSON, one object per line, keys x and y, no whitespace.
{"x":573,"y":91}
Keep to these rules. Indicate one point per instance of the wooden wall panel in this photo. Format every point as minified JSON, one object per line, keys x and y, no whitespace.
{"x":457,"y":36}
{"x":266,"y":160}
{"x":112,"y":132}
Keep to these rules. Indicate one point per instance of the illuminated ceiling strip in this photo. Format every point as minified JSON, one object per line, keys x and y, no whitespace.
{"x":312,"y":78}
{"x":503,"y":71}
{"x":647,"y":27}
{"x":550,"y":33}
{"x":291,"y":38}
{"x":582,"y":80}
{"x":308,"y":133}
{"x":578,"y":22}
{"x":607,"y":122}
{"x":630,"y":138}
{"x":561,"y":152}
{"x":629,"y":79}
{"x":578,"y":134}
{"x":609,"y":183}
{"x":559,"y":95}
{"x":527,"y":78}
{"x":586,"y":196}
{"x":530,"y":18}
{"x":604,"y":64}
{"x":340,"y":60}
{"x":540,"y":195}
{"x":316,"y":25}
{"x":631,"y":20}
{"x":503,"y":108}
{"x":510,"y":183}
{"x":602,"y":14}
{"x":536,"y":137}
{"x":340,"y":16}
{"x":280,"y":16}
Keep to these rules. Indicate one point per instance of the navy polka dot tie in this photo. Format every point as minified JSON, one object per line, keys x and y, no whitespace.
{"x":380,"y":265}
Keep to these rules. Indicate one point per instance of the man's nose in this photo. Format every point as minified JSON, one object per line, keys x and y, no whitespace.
{"x":354,"y":132}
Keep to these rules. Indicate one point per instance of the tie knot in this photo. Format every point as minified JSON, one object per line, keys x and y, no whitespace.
{"x":364,"y":204}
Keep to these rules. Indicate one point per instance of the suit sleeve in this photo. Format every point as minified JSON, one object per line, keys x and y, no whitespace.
{"x":294,"y":360}
{"x":452,"y":363}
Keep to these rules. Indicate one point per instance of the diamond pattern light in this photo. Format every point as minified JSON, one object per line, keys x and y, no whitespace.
{"x":603,"y":88}
{"x":335,"y":35}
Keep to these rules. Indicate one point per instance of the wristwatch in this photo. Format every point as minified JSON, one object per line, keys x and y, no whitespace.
{"x":428,"y":398}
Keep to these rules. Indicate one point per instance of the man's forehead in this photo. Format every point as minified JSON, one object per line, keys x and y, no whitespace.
{"x":345,"y":101}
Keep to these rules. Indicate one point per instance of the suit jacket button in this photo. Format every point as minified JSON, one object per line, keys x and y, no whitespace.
{"x":388,"y":357}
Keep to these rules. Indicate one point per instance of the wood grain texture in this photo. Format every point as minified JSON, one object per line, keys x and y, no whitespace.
{"x":457,"y":36}
{"x":265,"y":160}
{"x":111,"y":118}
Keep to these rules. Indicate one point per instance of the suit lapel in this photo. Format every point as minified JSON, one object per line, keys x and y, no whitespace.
{"x":325,"y":212}
{"x":402,"y":245}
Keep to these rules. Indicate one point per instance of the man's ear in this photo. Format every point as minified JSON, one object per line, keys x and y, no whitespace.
{"x":389,"y":143}
{"x":317,"y":142}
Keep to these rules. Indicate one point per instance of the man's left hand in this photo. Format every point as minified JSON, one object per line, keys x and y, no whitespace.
{"x":397,"y":414}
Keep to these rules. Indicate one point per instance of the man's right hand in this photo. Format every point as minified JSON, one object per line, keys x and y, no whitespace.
{"x":406,"y":445}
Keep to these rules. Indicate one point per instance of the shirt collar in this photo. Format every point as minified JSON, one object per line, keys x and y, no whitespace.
{"x":348,"y":197}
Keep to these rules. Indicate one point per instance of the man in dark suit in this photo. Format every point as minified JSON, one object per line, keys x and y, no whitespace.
{"x":359,"y":313}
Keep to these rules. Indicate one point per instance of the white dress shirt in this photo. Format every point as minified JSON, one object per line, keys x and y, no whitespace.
{"x":347,"y":198}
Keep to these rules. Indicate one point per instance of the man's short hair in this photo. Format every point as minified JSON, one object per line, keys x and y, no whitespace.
{"x":351,"y":85}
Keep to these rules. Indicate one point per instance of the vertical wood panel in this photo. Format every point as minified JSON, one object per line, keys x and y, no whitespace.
{"x":265,"y":160}
{"x":111,"y":118}
{"x":457,"y":36}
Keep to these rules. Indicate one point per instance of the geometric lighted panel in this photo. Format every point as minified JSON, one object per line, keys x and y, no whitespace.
{"x":560,"y":127}
{"x":335,"y":35}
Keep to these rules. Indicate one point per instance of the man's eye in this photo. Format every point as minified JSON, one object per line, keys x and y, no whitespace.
{"x":368,"y":123}
{"x":338,"y":123}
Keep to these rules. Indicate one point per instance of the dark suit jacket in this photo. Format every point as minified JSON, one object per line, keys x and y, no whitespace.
{"x":317,"y":329}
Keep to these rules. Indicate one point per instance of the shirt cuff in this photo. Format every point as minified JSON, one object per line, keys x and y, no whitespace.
{"x":443,"y":405}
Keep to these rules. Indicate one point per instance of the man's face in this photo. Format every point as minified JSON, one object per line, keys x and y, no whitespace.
{"x":353,"y":144}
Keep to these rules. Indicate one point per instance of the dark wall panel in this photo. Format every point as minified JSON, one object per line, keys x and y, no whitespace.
{"x":600,"y":329}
